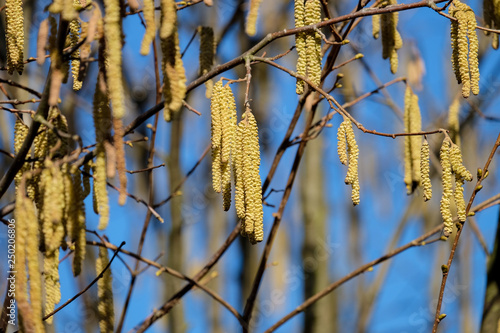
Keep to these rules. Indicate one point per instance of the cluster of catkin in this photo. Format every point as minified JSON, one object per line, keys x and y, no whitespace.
{"x":308,"y":44}
{"x":412,"y":144}
{"x":348,"y":152}
{"x":451,"y":163}
{"x":49,"y":214}
{"x":391,"y":39}
{"x":174,"y":76}
{"x":464,"y":44}
{"x":491,"y":14}
{"x":236,"y":148}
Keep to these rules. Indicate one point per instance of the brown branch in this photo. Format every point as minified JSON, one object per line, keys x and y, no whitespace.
{"x":20,"y":86}
{"x":416,"y":242}
{"x":18,"y":102}
{"x":69,"y":301}
{"x":165,"y":308}
{"x":477,"y":188}
{"x":146,"y":169}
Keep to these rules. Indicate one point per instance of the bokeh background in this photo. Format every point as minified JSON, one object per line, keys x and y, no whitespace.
{"x":322,"y":237}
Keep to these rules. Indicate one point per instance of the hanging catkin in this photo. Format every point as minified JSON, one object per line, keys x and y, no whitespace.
{"x":105,"y":312}
{"x":445,"y":207}
{"x":454,"y":122}
{"x":22,"y":215}
{"x":464,"y":44}
{"x":413,"y":123}
{"x":223,"y":112}
{"x":102,"y":125}
{"x":74,"y":36}
{"x":451,"y":162}
{"x":425,"y":179}
{"x":174,"y":76}
{"x":300,"y":44}
{"x":120,"y":159}
{"x":313,"y":41}
{"x":251,"y":23}
{"x":149,"y":17}
{"x":352,"y":177}
{"x":51,"y":282}
{"x":248,"y":183}
{"x":341,"y":143}
{"x":168,"y":18}
{"x":113,"y":35}
{"x":14,"y":35}
{"x":207,"y":52}
{"x":386,"y":24}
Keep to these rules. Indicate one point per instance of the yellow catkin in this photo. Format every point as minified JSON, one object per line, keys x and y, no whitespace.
{"x":459,"y":198}
{"x":105,"y":312}
{"x":375,"y":26}
{"x":100,"y":191}
{"x":14,"y":35}
{"x":300,"y":44}
{"x":22,"y":216}
{"x":413,"y":124}
{"x":51,"y":282}
{"x":445,"y":207}
{"x":207,"y":52}
{"x":77,"y":228}
{"x":454,"y":121}
{"x":149,"y":16}
{"x":74,"y":36}
{"x":20,"y":132}
{"x":473,"y":51}
{"x":251,"y":23}
{"x":341,"y":143}
{"x":52,"y":187}
{"x":465,"y":47}
{"x":168,"y":18}
{"x":248,"y":183}
{"x":425,"y":179}
{"x":113,"y":34}
{"x":228,"y":122}
{"x":216,"y":106}
{"x":174,"y":76}
{"x":120,"y":160}
{"x":391,"y":39}
{"x":456,"y":164}
{"x":238,"y":174}
{"x":313,"y":41}
{"x":352,"y":167}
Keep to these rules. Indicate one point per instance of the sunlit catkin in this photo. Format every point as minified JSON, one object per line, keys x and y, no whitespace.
{"x":341,"y":143}
{"x":149,"y":16}
{"x":445,"y":207}
{"x":22,"y":216}
{"x":52,"y":187}
{"x":105,"y":312}
{"x":413,"y":124}
{"x":391,"y":39}
{"x":375,"y":26}
{"x":20,"y":132}
{"x":168,"y":18}
{"x":464,"y":47}
{"x":313,"y":41}
{"x":248,"y":183}
{"x":51,"y":282}
{"x":74,"y":36}
{"x":14,"y":35}
{"x":456,"y":164}
{"x":352,"y":167}
{"x":251,"y":23}
{"x":207,"y":52}
{"x":300,"y":44}
{"x":120,"y":160}
{"x":425,"y":180}
{"x":113,"y":35}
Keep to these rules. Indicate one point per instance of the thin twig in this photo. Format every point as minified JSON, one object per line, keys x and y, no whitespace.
{"x":477,"y":187}
{"x":69,"y":301}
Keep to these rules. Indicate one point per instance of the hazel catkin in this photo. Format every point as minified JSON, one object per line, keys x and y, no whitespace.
{"x":300,"y":44}
{"x":105,"y":311}
{"x":346,"y":138}
{"x":413,"y":124}
{"x":251,"y":23}
{"x":14,"y":35}
{"x":425,"y":180}
{"x":150,"y":33}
